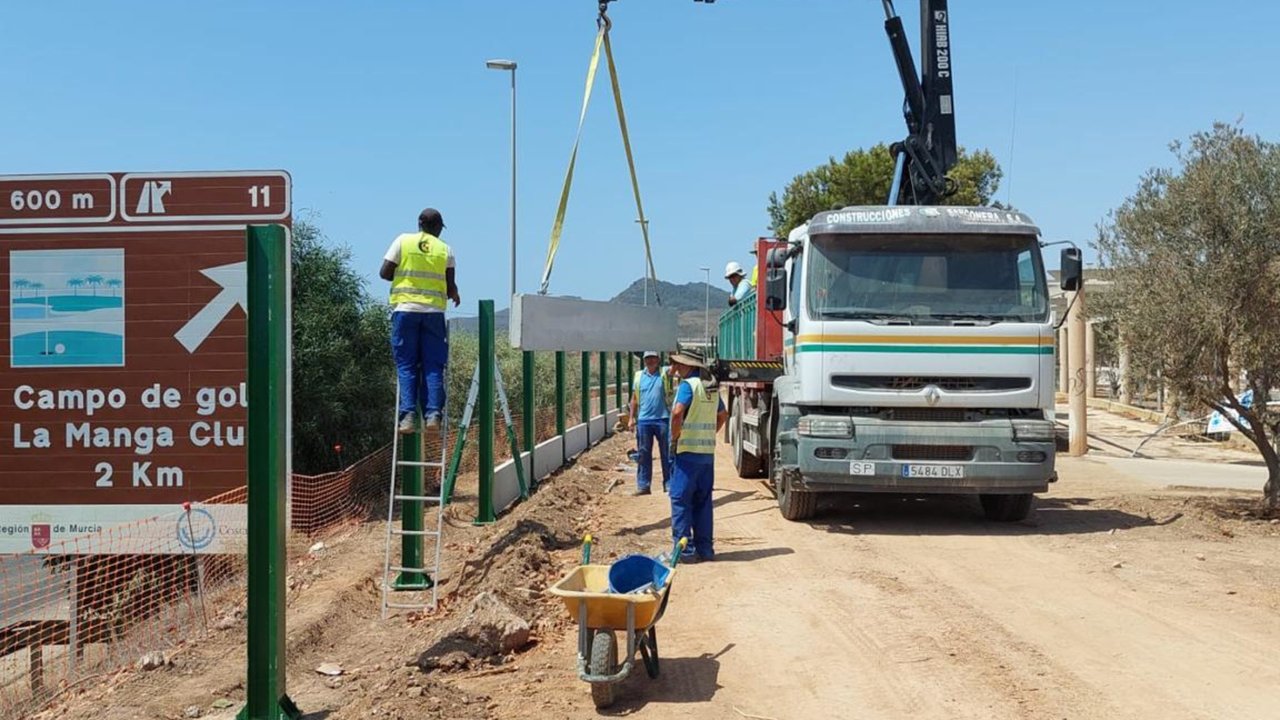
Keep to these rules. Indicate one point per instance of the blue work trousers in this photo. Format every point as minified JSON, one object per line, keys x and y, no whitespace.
{"x":648,"y":431}
{"x":420,"y":344}
{"x":691,"y":505}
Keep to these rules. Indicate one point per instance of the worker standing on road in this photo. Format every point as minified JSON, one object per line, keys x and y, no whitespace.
{"x":420,"y":267}
{"x":736,"y":276}
{"x":651,"y":397}
{"x":696,"y":417}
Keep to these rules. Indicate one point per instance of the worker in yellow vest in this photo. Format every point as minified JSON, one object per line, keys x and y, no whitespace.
{"x":420,"y":267}
{"x":696,"y":417}
{"x":651,"y":394}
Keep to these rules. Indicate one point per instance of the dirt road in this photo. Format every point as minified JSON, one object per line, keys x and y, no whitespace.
{"x":1107,"y":605}
{"x":1117,"y":600}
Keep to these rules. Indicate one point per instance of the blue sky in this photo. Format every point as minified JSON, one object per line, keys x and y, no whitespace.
{"x":378,"y":109}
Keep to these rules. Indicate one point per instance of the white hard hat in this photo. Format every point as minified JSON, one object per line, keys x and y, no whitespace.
{"x":650,"y":354}
{"x":732,"y":269}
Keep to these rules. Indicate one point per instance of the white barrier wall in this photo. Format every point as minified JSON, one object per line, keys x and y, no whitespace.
{"x":548,"y":457}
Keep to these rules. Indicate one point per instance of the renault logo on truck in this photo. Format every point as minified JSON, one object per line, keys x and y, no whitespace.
{"x":932,"y":395}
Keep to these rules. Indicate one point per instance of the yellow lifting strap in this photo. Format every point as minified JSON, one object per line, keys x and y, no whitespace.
{"x":557,"y":227}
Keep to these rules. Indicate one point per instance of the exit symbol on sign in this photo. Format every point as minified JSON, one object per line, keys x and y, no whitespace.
{"x":151,"y":202}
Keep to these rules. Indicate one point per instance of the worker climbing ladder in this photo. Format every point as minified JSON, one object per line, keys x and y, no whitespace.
{"x":407,"y":490}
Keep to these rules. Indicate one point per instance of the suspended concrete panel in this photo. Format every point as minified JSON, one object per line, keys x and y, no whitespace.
{"x":542,"y":322}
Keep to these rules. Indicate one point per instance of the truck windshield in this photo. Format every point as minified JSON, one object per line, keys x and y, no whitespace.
{"x":927,"y":279}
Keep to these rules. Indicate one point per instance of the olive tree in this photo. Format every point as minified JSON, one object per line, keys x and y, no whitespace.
{"x":1196,"y":259}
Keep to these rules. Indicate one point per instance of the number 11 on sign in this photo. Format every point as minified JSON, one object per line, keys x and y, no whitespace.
{"x":260,"y":193}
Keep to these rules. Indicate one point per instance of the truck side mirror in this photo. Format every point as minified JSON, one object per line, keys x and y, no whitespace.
{"x":777,"y":258}
{"x":775,"y":287}
{"x":1071,"y":273}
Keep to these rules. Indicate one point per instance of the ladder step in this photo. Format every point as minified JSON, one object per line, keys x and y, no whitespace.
{"x":419,"y":498}
{"x":409,"y":606}
{"x":434,"y":533}
{"x":415,"y":463}
{"x":399,"y":569}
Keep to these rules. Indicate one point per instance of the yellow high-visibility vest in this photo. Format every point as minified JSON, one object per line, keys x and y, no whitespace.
{"x":755,"y":273}
{"x":420,"y":276}
{"x":668,"y":390}
{"x":698,"y":432}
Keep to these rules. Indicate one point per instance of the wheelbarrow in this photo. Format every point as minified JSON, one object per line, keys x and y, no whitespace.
{"x":601,"y":615}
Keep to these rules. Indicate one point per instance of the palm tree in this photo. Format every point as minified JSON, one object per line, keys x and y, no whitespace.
{"x":21,"y":284}
{"x":75,"y":284}
{"x":115,"y":284}
{"x":37,"y":287}
{"x":94,"y":281}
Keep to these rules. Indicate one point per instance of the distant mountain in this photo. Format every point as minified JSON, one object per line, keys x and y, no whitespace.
{"x":690,"y":296}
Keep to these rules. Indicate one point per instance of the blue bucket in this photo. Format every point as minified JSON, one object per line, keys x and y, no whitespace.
{"x":634,"y":572}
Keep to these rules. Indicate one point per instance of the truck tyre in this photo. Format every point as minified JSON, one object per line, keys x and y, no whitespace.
{"x":1007,"y":508}
{"x":795,"y":505}
{"x":747,"y":465}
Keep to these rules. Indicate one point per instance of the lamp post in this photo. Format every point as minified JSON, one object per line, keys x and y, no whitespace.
{"x":706,"y":307}
{"x":510,"y":65}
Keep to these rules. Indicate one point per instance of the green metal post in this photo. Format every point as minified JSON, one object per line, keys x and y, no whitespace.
{"x":586,"y":391}
{"x":560,"y":423}
{"x":604,"y":385}
{"x":268,"y":308}
{"x":411,"y":514}
{"x":617,"y":379}
{"x":631,"y":374}
{"x":530,"y":416}
{"x":484,"y":510}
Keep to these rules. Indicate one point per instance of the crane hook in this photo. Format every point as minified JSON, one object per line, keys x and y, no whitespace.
{"x":603,"y":20}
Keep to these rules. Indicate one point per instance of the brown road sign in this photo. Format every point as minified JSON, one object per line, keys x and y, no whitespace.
{"x":122,"y":344}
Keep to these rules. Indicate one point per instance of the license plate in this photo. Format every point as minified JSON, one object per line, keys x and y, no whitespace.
{"x":862,"y":468}
{"x":933,"y":471}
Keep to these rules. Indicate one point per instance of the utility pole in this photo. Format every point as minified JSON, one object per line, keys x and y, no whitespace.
{"x":511,"y":66}
{"x":706,"y":307}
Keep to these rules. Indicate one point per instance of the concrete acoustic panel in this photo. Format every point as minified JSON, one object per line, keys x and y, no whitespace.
{"x":506,"y":486}
{"x":575,"y":441}
{"x":598,"y":427}
{"x":542,"y":322}
{"x":548,"y":456}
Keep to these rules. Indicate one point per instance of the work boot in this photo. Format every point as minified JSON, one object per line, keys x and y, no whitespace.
{"x":641,"y":491}
{"x":433,"y":420}
{"x":407,"y":426}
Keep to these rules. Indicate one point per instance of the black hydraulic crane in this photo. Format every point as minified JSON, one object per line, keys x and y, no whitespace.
{"x":923,"y":159}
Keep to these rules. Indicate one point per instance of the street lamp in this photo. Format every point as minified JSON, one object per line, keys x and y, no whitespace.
{"x":706,"y":307}
{"x":510,"y":65}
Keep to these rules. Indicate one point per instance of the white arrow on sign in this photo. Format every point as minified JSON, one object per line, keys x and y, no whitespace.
{"x":233,"y":280}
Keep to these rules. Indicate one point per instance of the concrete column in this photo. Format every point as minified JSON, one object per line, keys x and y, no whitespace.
{"x":1076,"y":394}
{"x":1090,"y":368}
{"x":1064,"y":377}
{"x":1126,"y":384}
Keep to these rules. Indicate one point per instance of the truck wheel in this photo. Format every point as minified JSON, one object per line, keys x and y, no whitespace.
{"x":604,"y":661}
{"x":1007,"y":508}
{"x":794,"y":504}
{"x":747,"y":465}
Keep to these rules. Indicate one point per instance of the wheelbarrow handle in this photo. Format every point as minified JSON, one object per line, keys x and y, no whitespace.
{"x":676,"y":551}
{"x":586,"y":549}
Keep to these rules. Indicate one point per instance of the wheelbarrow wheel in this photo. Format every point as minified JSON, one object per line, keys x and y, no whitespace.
{"x":649,"y":652}
{"x":604,"y":661}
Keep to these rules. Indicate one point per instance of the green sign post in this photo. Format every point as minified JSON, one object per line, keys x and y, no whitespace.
{"x":268,"y":338}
